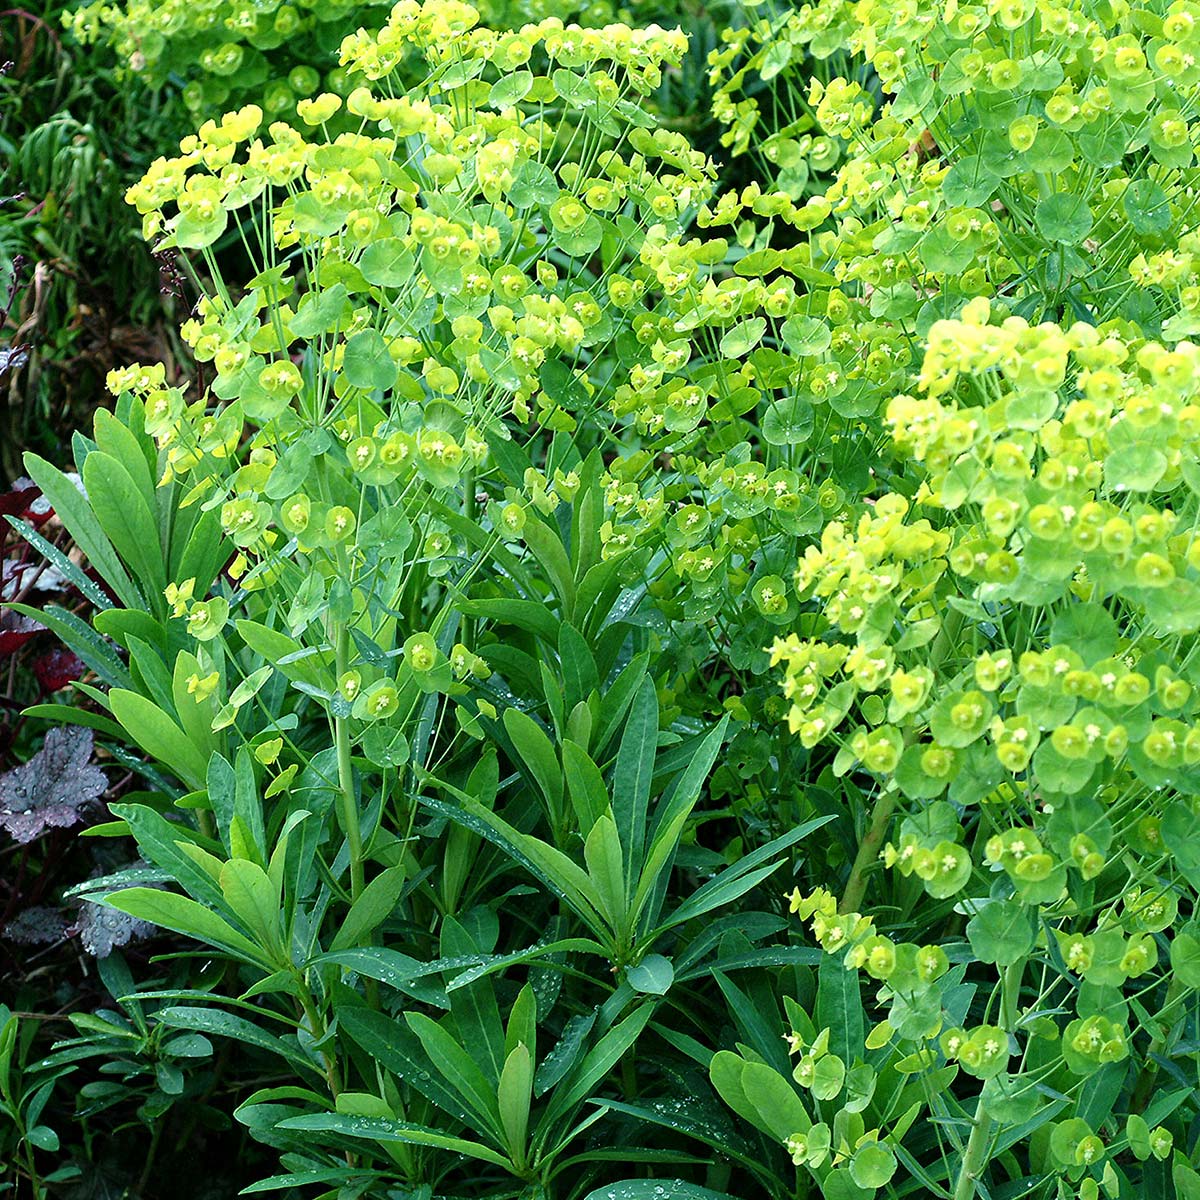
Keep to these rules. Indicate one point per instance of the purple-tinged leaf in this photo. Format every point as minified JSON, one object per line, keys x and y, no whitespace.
{"x":51,"y":788}
{"x":36,"y":926}
{"x":15,"y":630}
{"x":102,"y":930}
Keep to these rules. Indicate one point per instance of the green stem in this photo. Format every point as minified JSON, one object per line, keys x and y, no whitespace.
{"x":975,"y":1157}
{"x":1144,"y":1085}
{"x":885,"y":806}
{"x":151,"y":1154}
{"x":868,"y":851}
{"x":976,"y":1153}
{"x":35,"y":1184}
{"x":348,"y":801}
{"x":468,"y":625}
{"x":317,"y":1026}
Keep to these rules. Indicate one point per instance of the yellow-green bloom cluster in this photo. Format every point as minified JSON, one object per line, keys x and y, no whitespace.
{"x":1061,"y":487}
{"x":448,"y":30}
{"x":425,"y":282}
{"x":902,"y":965}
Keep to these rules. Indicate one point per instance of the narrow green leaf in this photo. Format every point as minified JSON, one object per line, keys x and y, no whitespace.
{"x":204,"y":553}
{"x":78,"y":636}
{"x":565,"y":1054}
{"x":372,"y":908}
{"x":497,"y":962}
{"x":217,"y":1023}
{"x":537,"y":753}
{"x":72,"y":509}
{"x":780,"y":1111}
{"x":633,"y":774}
{"x":528,"y":615}
{"x":159,"y":736}
{"x":597,"y":1063}
{"x":602,"y":853}
{"x":379,"y":1129}
{"x":294,"y":1179}
{"x":220,"y":783}
{"x":65,"y":567}
{"x":656,"y":1189}
{"x":550,"y":553}
{"x":672,"y":818}
{"x":66,"y":714}
{"x":457,"y":1068}
{"x":617,"y":699}
{"x":184,"y":915}
{"x":704,"y":1122}
{"x":553,"y":868}
{"x":195,"y":713}
{"x":253,"y":900}
{"x":159,"y":841}
{"x":288,"y":655}
{"x":514,"y":1097}
{"x":397,"y":970}
{"x":460,"y":1071}
{"x":580,"y":678}
{"x":522,"y":1023}
{"x":396,"y":1048}
{"x":127,"y":521}
{"x":720,"y":889}
{"x":476,"y":1012}
{"x":730,"y":887}
{"x":119,"y":442}
{"x":585,"y":786}
{"x":840,"y":1008}
{"x":247,"y":808}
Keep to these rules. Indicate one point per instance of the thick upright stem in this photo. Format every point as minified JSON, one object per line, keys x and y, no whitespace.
{"x":868,"y":851}
{"x":317,"y":1029}
{"x":885,"y":806}
{"x":975,"y":1158}
{"x":469,"y":506}
{"x":347,"y":800}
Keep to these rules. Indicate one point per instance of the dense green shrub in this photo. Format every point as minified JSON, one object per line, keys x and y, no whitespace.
{"x":223,"y":53}
{"x":227,"y":53}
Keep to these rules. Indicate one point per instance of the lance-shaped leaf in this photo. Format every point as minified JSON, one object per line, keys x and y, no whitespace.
{"x":565,"y":878}
{"x":380,"y":1129}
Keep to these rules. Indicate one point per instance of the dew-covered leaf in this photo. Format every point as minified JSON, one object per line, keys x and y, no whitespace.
{"x":102,"y":930}
{"x":49,"y":790}
{"x":39,"y":925}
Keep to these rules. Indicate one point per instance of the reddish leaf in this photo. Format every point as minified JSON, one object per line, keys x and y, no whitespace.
{"x":25,"y":501}
{"x":15,"y":631}
{"x":56,"y":668}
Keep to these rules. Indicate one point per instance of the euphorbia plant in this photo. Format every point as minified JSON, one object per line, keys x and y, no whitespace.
{"x":1016,"y":671}
{"x":454,"y":264}
{"x":451,"y":279}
